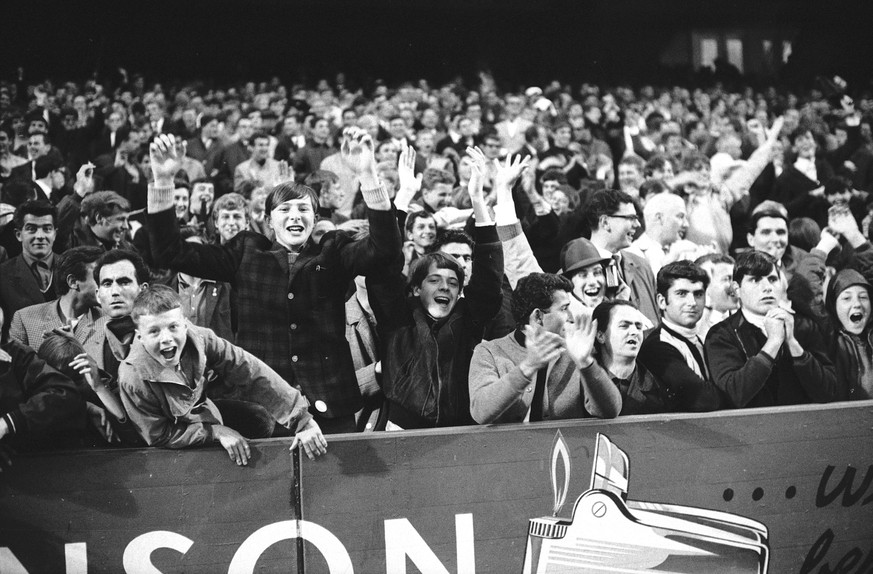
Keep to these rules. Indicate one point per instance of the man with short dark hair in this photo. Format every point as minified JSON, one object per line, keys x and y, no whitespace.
{"x":614,"y":221}
{"x":765,"y":355}
{"x":533,"y":373}
{"x":48,"y":181}
{"x":673,"y":351}
{"x":28,"y":279}
{"x":76,"y":307}
{"x":768,"y":233}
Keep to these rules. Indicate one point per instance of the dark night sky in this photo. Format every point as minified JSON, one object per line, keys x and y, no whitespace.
{"x":521,"y":41}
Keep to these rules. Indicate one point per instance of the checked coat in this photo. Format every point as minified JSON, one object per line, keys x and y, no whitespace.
{"x":291,"y":316}
{"x":30,"y":324}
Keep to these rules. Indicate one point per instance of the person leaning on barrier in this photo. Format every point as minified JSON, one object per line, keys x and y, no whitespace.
{"x":38,"y":405}
{"x":164,"y":383}
{"x":533,"y":373}
{"x":290,"y":292}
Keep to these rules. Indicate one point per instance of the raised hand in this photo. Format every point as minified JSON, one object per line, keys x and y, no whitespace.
{"x":84,"y":180}
{"x":579,"y":339}
{"x":509,"y":171}
{"x":409,"y":183}
{"x":775,"y":129}
{"x":358,"y":150}
{"x":285,"y":173}
{"x":478,"y":174}
{"x":164,"y":159}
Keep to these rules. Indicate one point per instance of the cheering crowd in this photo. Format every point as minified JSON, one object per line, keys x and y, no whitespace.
{"x":185,"y":265}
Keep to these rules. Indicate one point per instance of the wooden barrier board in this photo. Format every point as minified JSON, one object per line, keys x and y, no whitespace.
{"x":457,"y":500}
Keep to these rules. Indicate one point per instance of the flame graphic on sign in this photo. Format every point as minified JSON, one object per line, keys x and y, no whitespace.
{"x":560,"y":461}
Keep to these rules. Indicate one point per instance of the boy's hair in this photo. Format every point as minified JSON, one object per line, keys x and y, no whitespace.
{"x":759,"y":215}
{"x":680,"y":270}
{"x":416,"y":215}
{"x":58,"y":349}
{"x":103,"y":204}
{"x":433,"y":176}
{"x":230,"y":202}
{"x":421,"y":267}
{"x":451,"y":236}
{"x":553,"y":175}
{"x":155,"y":300}
{"x":288,"y":191}
{"x":656,"y":163}
{"x":74,"y":262}
{"x":535,"y":291}
{"x":116,"y":255}
{"x":753,"y":264}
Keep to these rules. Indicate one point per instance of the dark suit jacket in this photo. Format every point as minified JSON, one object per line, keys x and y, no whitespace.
{"x":18,"y":287}
{"x":292,"y":317}
{"x":639,"y":277}
{"x":103,"y":145}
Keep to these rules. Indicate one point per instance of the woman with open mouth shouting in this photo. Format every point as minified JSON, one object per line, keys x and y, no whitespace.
{"x":848,"y":305}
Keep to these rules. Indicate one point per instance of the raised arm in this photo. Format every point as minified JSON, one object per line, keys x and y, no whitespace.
{"x":519,"y":259}
{"x":207,"y":261}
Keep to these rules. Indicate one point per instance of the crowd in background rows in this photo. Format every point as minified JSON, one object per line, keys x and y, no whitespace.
{"x":416,"y":256}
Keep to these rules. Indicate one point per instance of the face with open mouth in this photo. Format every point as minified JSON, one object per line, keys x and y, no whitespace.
{"x":853,"y":308}
{"x":293,"y":221}
{"x":624,"y":334}
{"x":163,"y":335}
{"x":229,"y":222}
{"x":589,"y":285}
{"x":438,"y":292}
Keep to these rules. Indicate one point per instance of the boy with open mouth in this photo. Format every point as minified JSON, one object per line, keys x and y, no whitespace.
{"x":165,"y":377}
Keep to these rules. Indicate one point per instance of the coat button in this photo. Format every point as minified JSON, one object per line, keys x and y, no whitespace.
{"x":321,"y":406}
{"x":529,"y":389}
{"x":290,"y":296}
{"x":294,"y":358}
{"x":293,"y":326}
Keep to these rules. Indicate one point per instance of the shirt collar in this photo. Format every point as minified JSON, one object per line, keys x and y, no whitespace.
{"x":48,"y":260}
{"x":690,"y":334}
{"x":756,"y":320}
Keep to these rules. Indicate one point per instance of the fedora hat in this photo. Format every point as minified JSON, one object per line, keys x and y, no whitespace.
{"x":579,"y":253}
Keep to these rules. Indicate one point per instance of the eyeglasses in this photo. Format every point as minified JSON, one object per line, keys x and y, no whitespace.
{"x":633,"y":217}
